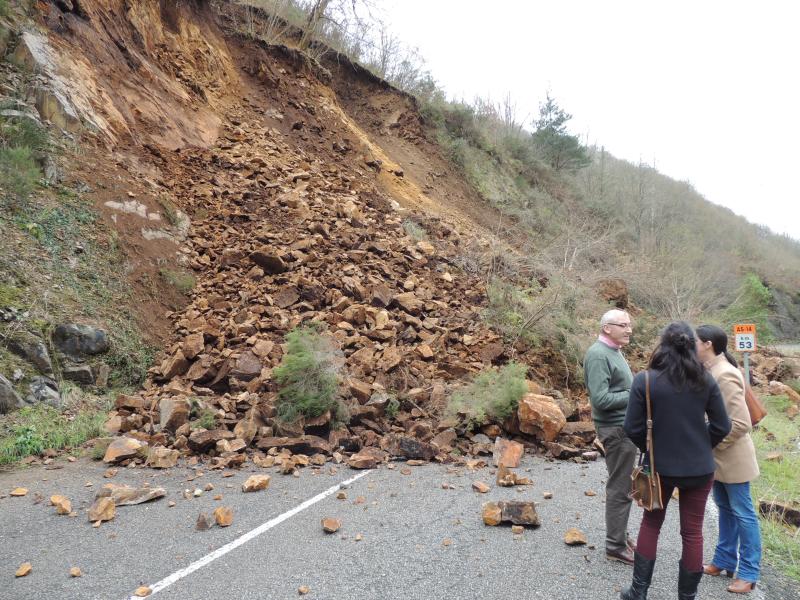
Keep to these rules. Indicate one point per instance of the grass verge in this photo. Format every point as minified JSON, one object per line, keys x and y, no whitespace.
{"x":779,"y":480}
{"x":34,"y":429}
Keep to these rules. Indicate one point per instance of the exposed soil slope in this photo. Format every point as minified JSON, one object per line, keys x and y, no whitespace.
{"x":284,"y":190}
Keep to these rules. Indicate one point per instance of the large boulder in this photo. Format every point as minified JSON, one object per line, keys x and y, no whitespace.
{"x":122,"y":448}
{"x":202,"y":440}
{"x":173,"y":412}
{"x":9,"y":399}
{"x":43,"y":389}
{"x":304,"y":444}
{"x":410,"y":448}
{"x":32,"y":349}
{"x":540,"y":417}
{"x":78,"y":373}
{"x":80,"y":341}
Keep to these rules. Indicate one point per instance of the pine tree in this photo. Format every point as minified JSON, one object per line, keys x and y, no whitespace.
{"x":559,"y":149}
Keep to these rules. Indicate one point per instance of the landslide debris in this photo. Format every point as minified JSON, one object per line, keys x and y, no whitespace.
{"x":285,"y":217}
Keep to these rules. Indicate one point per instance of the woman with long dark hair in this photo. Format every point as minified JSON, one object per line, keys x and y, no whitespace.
{"x":683,"y":394}
{"x":739,"y":545}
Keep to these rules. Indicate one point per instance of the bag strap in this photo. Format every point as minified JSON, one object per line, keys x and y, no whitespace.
{"x":649,"y":423}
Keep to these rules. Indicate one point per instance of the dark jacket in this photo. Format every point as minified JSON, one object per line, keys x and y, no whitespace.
{"x":682,"y":440}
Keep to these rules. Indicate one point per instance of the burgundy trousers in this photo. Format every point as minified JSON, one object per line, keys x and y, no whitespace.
{"x":692,"y":505}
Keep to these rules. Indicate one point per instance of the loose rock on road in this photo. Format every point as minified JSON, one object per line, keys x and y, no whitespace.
{"x":402,"y":535}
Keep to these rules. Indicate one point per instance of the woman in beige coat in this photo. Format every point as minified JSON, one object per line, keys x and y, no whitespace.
{"x":739,"y":545}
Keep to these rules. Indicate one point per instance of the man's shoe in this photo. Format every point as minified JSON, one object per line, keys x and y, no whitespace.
{"x":687,"y":583}
{"x":631,"y":544}
{"x":642,"y":575}
{"x":715,"y":571}
{"x":740,"y":586}
{"x":623,"y":556}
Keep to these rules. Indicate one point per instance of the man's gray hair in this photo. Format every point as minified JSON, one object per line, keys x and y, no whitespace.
{"x":611,"y":316}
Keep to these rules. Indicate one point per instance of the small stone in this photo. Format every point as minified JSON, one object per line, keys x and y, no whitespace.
{"x":197,"y":492}
{"x":303,"y":590}
{"x":360,"y":500}
{"x":223,"y":515}
{"x":103,"y":509}
{"x":359,"y":537}
{"x":208,"y":487}
{"x":202,"y":523}
{"x":448,"y":486}
{"x":517,"y":529}
{"x":23,"y":570}
{"x":255,"y":483}
{"x":405,"y":471}
{"x":171,"y":503}
{"x":341,"y":495}
{"x":491,"y":514}
{"x":62,"y":504}
{"x":142,"y":591}
{"x":574,"y":537}
{"x":447,"y":542}
{"x":590,"y":493}
{"x":506,"y":477}
{"x":548,"y":495}
{"x":110,"y":473}
{"x":75,"y":572}
{"x":330,"y":525}
{"x":20,"y":491}
{"x":480,"y":487}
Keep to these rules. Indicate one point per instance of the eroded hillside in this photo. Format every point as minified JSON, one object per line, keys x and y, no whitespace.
{"x":286,"y":192}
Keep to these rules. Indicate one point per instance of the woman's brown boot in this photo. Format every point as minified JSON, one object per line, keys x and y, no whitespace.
{"x":740,"y":586}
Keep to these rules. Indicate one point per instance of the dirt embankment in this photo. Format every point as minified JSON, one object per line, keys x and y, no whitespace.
{"x":287,"y":194}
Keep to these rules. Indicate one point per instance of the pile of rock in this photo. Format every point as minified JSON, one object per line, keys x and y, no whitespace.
{"x":287,"y":229}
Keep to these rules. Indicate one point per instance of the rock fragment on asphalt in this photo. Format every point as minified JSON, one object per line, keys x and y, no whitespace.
{"x":62,"y":504}
{"x":255,"y":483}
{"x":223,"y":515}
{"x":480,"y":487}
{"x":103,"y":509}
{"x":575,"y":537}
{"x":330,"y":525}
{"x":513,"y":511}
{"x":507,"y":453}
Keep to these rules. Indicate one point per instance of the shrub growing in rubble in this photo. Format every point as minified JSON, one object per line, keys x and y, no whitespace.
{"x":492,"y":396}
{"x":308,"y":375}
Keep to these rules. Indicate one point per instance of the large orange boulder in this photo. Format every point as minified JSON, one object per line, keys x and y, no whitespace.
{"x":540,"y":417}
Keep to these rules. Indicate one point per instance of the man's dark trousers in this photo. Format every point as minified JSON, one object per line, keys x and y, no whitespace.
{"x":620,"y":460}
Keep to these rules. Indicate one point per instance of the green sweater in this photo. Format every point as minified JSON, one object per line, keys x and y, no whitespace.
{"x":608,"y":379}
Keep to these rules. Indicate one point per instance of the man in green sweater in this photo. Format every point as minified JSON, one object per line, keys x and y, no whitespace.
{"x":608,"y":379}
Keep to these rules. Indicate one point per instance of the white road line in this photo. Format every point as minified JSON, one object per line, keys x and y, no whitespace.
{"x":223,"y":550}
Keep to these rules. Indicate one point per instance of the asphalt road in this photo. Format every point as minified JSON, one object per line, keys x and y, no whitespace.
{"x":418,"y":539}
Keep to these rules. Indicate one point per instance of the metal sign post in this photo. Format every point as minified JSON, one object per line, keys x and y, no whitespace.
{"x":745,"y":342}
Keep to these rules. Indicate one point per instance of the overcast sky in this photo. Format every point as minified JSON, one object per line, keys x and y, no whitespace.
{"x":709,"y":90}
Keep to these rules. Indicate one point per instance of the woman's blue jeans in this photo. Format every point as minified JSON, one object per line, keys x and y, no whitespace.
{"x":739,"y":534}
